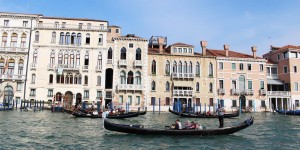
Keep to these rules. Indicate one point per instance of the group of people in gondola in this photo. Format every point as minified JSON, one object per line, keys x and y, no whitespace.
{"x":188,"y":125}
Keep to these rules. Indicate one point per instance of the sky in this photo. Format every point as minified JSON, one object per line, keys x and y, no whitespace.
{"x":238,"y":23}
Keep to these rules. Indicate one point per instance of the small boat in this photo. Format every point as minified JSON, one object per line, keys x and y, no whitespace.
{"x":289,"y":112}
{"x":187,"y":115}
{"x":139,"y":129}
{"x":141,"y":112}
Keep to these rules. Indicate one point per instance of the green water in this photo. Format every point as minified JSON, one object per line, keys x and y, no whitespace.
{"x":46,"y":130}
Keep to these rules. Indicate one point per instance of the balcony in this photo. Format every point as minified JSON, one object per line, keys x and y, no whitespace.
{"x":51,"y":66}
{"x":246,"y":92}
{"x":98,"y":68}
{"x":182,"y":75}
{"x":123,"y":62}
{"x":12,"y":77}
{"x":183,"y":92}
{"x":13,"y":50}
{"x":70,"y":26}
{"x":272,"y":76}
{"x":85,"y":68}
{"x":235,"y":92}
{"x":138,"y":63}
{"x":109,"y":61}
{"x":132,"y":87}
{"x":33,"y":66}
{"x":279,"y":93}
{"x":68,"y":67}
{"x":262,"y":92}
{"x":221,"y":91}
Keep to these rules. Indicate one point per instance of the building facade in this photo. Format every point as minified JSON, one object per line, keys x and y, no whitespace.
{"x":178,"y":75}
{"x":66,"y":60}
{"x":15,"y":32}
{"x":283,"y":68}
{"x":241,"y":80}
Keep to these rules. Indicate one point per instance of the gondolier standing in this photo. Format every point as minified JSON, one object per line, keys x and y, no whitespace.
{"x":221,"y":112}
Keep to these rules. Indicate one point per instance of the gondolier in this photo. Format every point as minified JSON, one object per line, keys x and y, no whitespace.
{"x":221,"y":112}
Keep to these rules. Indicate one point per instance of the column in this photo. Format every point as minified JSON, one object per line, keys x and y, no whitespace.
{"x":282,"y":104}
{"x":276,"y":103}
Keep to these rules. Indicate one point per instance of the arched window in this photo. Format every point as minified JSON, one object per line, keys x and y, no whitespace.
{"x":167,"y":68}
{"x":73,"y":38}
{"x":122,"y":77}
{"x":4,"y":39}
{"x":67,"y":79}
{"x":138,"y":79}
{"x":191,"y":67}
{"x":78,"y":39}
{"x":66,"y":57}
{"x":185,"y":67}
{"x":210,"y":87}
{"x":37,"y":36}
{"x":86,"y":80}
{"x":86,"y":59}
{"x":51,"y":78}
{"x":123,"y":53}
{"x":23,"y":40}
{"x":53,"y":39}
{"x":153,"y":67}
{"x":87,"y":39}
{"x":167,"y":100}
{"x":60,"y":57}
{"x":109,"y":53}
{"x":71,"y":79}
{"x":100,"y":40}
{"x":78,"y":58}
{"x":167,"y":86}
{"x":2,"y":64}
{"x":99,"y":61}
{"x":197,"y":87}
{"x":57,"y":78}
{"x":180,"y":67}
{"x":35,"y":54}
{"x":33,"y":78}
{"x":68,"y":38}
{"x":61,"y":38}
{"x":20,"y":67}
{"x":98,"y":80}
{"x":153,"y":85}
{"x":198,"y":69}
{"x":79,"y":79}
{"x":130,"y":77}
{"x":211,"y":72}
{"x":175,"y":67}
{"x":72,"y":59}
{"x":242,"y":82}
{"x":11,"y":66}
{"x":14,"y":39}
{"x":138,"y":54}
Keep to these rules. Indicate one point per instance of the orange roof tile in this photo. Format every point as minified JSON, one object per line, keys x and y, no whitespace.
{"x":221,"y":53}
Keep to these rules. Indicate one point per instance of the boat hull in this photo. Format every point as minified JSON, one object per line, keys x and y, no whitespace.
{"x":186,"y":115}
{"x":289,"y":112}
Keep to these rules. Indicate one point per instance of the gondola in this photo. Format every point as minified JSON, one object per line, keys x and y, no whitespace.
{"x":139,"y":129}
{"x":141,"y":112}
{"x":111,"y":116}
{"x":289,"y":112}
{"x":187,"y":115}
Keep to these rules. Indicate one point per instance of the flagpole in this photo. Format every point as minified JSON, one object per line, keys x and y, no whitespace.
{"x":29,"y":46}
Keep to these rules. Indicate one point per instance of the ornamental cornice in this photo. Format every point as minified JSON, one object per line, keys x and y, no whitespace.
{"x":242,"y":59}
{"x":70,"y":29}
{"x":130,"y":39}
{"x":19,"y":17}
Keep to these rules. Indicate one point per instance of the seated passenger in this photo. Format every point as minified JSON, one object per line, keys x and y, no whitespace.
{"x":178,"y":125}
{"x":208,"y":113}
{"x":188,"y":125}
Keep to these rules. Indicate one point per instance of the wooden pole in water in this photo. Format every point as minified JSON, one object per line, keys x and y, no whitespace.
{"x":16,"y":104}
{"x":158,"y":105}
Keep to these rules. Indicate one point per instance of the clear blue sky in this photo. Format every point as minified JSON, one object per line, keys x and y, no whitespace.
{"x":238,"y":23}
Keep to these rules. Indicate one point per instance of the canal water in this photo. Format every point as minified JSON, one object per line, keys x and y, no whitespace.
{"x":46,"y":130}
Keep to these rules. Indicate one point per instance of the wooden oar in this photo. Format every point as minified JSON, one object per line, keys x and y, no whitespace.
{"x":181,"y":111}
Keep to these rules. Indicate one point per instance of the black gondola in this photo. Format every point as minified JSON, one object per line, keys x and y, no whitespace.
{"x":187,"y":115}
{"x":141,"y":112}
{"x":111,"y":116}
{"x":289,"y":112}
{"x":139,"y":129}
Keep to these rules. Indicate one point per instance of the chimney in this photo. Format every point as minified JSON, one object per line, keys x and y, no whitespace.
{"x":161,"y":44}
{"x":254,"y":49}
{"x":203,"y":45}
{"x":226,"y":48}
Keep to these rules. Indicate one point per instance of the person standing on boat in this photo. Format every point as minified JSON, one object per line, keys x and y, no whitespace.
{"x":221,"y":112}
{"x":178,"y":124}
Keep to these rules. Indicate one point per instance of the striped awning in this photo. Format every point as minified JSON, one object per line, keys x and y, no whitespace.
{"x":183,"y":83}
{"x":275,"y":82}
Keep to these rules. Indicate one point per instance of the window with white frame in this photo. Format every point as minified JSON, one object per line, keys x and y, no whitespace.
{"x":25,"y":24}
{"x":53,"y":38}
{"x":262,"y":103}
{"x":100,"y":40}
{"x":121,"y":99}
{"x":167,"y":68}
{"x":167,"y":86}
{"x":293,"y":55}
{"x":6,"y":23}
{"x":73,"y":38}
{"x":295,"y":69}
{"x":241,"y":66}
{"x":87,"y":39}
{"x":233,"y":66}
{"x":19,"y":86}
{"x":33,"y":78}
{"x":233,"y":84}
{"x":197,"y":69}
{"x":137,"y":100}
{"x":175,"y":50}
{"x":86,"y":94}
{"x":210,"y":72}
{"x":98,"y":80}
{"x":23,"y":40}
{"x":297,"y":103}
{"x":130,"y":45}
{"x":262,"y":85}
{"x":32,"y":92}
{"x":261,"y":67}
{"x":249,"y":67}
{"x":138,"y":78}
{"x":234,"y":103}
{"x":37,"y":36}
{"x":129,"y":100}
{"x":61,"y":38}
{"x":99,"y":94}
{"x":278,"y":56}
{"x":249,"y":84}
{"x":122,"y":77}
{"x":285,"y":55}
{"x":153,"y":85}
{"x":197,"y":87}
{"x":220,"y":65}
{"x":50,"y":93}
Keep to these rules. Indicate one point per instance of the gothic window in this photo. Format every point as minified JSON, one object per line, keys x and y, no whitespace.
{"x":123,"y":53}
{"x":130,"y":77}
{"x":138,"y":54}
{"x":153,"y":67}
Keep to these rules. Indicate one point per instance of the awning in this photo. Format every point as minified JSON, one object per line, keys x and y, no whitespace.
{"x":183,"y":83}
{"x":275,"y":82}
